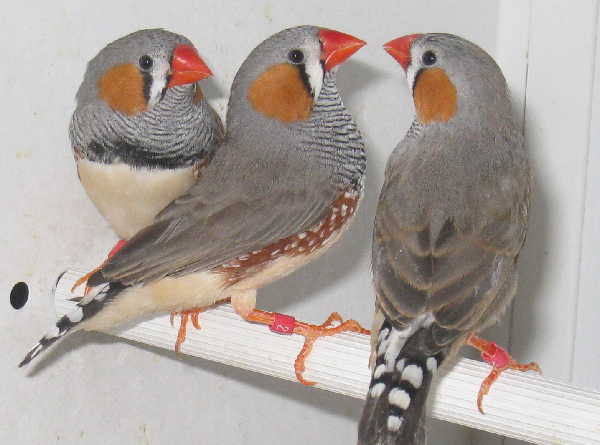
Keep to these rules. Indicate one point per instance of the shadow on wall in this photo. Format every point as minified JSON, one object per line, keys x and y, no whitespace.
{"x":336,"y":404}
{"x":533,"y":263}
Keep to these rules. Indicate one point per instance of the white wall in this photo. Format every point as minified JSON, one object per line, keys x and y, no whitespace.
{"x":96,"y":389}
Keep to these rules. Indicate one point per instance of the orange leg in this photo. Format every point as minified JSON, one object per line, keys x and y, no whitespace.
{"x":86,"y":277}
{"x":284,"y":324}
{"x":500,"y":361}
{"x":185,"y":315}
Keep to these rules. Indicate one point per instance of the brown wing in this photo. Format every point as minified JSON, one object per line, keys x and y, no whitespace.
{"x":458,"y":271}
{"x":211,"y":225}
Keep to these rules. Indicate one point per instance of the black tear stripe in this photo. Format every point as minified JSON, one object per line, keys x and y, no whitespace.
{"x":417,"y":75}
{"x":305,"y":79}
{"x":148,"y":79}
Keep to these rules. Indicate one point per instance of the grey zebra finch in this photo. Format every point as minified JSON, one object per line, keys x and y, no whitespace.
{"x":451,"y":221}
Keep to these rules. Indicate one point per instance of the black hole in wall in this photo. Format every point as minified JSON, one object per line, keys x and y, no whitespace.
{"x":19,"y":295}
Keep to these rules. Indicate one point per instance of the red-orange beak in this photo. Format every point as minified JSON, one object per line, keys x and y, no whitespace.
{"x":337,"y":47}
{"x":187,"y":66}
{"x":399,"y":49}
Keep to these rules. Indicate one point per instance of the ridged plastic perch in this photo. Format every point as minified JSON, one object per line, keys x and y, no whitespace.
{"x":521,"y":406}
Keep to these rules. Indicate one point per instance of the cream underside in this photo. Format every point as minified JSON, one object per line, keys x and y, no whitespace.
{"x":131,"y":198}
{"x":197,"y":290}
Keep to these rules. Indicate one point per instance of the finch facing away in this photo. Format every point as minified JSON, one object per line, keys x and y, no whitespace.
{"x":449,"y":226}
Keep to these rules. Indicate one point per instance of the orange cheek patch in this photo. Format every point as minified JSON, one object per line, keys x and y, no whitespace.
{"x":435,"y":97}
{"x":197,"y":95}
{"x":122,"y":88}
{"x":279,"y":93}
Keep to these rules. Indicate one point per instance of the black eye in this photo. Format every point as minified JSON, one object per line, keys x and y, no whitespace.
{"x":296,"y":56}
{"x":146,"y":62}
{"x":429,"y":58}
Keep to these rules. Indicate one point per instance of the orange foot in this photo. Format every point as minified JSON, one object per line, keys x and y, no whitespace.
{"x":500,"y":360}
{"x":185,"y":315}
{"x":284,"y":324}
{"x":86,"y":277}
{"x":182,"y":327}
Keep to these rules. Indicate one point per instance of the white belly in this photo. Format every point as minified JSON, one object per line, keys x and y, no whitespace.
{"x":131,"y":198}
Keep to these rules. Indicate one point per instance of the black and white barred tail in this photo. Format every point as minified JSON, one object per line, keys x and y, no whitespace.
{"x":85,"y":309}
{"x":394,"y":412}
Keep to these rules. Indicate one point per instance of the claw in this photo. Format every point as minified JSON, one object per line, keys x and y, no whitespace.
{"x":312,"y":332}
{"x":181,"y":333}
{"x":500,"y":360}
{"x":284,"y":324}
{"x":87,"y":276}
{"x":185,"y":315}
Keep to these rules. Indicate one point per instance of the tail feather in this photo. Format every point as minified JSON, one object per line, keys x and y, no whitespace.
{"x":394,"y":412}
{"x":72,"y":321}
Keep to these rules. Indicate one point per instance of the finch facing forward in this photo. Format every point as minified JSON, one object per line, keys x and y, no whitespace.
{"x":280,"y":191}
{"x":142,"y":129}
{"x":449,"y":227}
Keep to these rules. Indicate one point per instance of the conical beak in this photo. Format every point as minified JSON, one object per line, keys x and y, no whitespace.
{"x":187,"y":66}
{"x":399,"y":49}
{"x":337,"y":47}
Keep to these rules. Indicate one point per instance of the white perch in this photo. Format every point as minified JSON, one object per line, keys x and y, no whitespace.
{"x":522,"y":406}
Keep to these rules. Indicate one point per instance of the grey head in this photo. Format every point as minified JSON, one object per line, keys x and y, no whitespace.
{"x":284,"y":99}
{"x":481,"y":89}
{"x":150,"y":50}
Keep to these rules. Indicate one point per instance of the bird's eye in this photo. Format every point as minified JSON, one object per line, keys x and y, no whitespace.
{"x":146,"y":62}
{"x":295,"y":56}
{"x":429,"y":58}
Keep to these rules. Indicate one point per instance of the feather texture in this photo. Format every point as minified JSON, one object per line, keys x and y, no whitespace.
{"x":450,"y":223}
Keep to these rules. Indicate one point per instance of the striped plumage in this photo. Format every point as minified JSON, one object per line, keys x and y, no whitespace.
{"x":332,"y":127}
{"x":280,"y":191}
{"x":174,"y":133}
{"x":450,"y":224}
{"x":141,"y":134}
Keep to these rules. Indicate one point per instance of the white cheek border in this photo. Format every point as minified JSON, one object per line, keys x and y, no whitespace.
{"x":159,"y":80}
{"x":411,"y":73}
{"x":314,"y":71}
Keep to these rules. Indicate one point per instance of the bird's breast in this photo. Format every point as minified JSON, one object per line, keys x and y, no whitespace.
{"x":130,"y":198}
